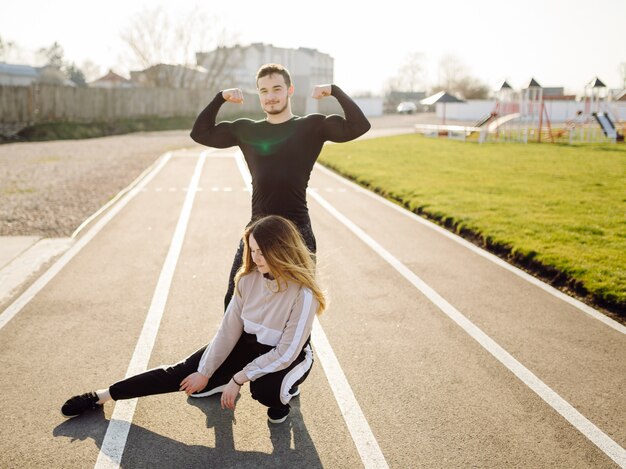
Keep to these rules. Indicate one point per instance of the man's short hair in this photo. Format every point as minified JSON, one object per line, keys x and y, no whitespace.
{"x":271,"y":69}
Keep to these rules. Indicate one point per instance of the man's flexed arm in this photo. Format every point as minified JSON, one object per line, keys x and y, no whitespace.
{"x":335,"y":128}
{"x":206,"y":132}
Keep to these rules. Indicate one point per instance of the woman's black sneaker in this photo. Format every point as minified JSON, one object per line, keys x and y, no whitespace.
{"x":277,"y":414}
{"x":76,"y":405}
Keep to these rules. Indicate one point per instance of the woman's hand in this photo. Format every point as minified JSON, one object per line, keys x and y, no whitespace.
{"x":229,"y":395}
{"x":194,"y":382}
{"x":231,"y":391}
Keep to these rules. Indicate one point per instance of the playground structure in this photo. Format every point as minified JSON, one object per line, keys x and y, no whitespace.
{"x":598,"y":108}
{"x":524,"y":117}
{"x":522,"y":120}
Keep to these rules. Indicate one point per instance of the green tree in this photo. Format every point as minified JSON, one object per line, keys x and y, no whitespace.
{"x":55,"y":57}
{"x":75,"y":74}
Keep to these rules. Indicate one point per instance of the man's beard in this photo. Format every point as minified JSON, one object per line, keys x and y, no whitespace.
{"x":274,"y":112}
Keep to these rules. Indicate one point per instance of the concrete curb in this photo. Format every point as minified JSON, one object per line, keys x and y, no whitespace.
{"x":23,"y":256}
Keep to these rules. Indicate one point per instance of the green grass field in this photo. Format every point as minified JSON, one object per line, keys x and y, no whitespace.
{"x":558,"y":209}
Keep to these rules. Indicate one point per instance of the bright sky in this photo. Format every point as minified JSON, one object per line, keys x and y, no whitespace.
{"x":559,"y":42}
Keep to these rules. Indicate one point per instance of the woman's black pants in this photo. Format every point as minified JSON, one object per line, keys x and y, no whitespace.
{"x":271,"y":390}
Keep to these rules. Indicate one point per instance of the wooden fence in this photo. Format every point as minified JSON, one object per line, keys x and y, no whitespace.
{"x":21,"y":106}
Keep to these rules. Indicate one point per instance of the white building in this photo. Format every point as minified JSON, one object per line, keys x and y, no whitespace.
{"x":307,"y":67}
{"x":26,"y":75}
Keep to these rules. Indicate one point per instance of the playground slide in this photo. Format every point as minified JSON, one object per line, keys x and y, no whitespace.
{"x":483,"y":120}
{"x":502,"y":120}
{"x":607,"y":126}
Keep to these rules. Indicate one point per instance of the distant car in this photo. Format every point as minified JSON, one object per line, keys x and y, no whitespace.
{"x":406,"y":107}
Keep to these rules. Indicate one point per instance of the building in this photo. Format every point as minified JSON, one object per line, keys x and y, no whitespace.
{"x":620,"y":95}
{"x":308,"y":68}
{"x":170,"y":76}
{"x":553,"y":91}
{"x":111,"y":80}
{"x":26,"y":75}
{"x":557,"y":93}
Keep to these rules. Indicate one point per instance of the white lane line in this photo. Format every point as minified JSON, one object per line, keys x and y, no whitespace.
{"x":579,"y":421}
{"x":42,"y":281}
{"x":194,"y":154}
{"x":361,"y":433}
{"x":481,"y":252}
{"x":112,"y":448}
{"x":366,"y":444}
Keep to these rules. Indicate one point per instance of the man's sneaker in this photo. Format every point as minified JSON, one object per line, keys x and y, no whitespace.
{"x":210,"y":392}
{"x":294,"y":391}
{"x":76,"y":405}
{"x":277,"y":414}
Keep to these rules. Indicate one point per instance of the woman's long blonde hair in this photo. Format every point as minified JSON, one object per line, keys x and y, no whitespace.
{"x":285,"y":253}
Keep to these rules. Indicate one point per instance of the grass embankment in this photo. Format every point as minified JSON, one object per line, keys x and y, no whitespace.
{"x":557,"y":210}
{"x":74,"y":130}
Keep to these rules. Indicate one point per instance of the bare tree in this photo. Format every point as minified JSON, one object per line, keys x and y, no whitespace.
{"x":166,"y":49}
{"x":52,"y":55}
{"x":454,"y":77}
{"x":91,"y":70}
{"x":6,"y":47}
{"x":471,"y":88}
{"x":11,"y":51}
{"x":451,"y":70}
{"x":411,"y":75}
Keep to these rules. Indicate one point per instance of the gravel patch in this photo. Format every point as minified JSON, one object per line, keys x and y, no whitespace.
{"x":49,"y":188}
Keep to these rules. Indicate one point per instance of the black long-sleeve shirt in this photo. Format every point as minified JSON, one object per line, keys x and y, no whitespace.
{"x":281,"y":156}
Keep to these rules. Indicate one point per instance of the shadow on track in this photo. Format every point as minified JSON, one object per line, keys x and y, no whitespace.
{"x":292,"y":444}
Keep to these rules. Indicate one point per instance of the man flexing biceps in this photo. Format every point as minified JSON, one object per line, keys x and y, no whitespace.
{"x":281,"y":149}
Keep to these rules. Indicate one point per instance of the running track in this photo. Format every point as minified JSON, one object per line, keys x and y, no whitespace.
{"x":432,"y":353}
